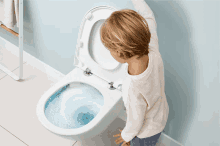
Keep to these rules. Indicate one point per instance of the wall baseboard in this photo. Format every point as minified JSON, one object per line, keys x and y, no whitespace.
{"x":32,"y":60}
{"x":164,"y":140}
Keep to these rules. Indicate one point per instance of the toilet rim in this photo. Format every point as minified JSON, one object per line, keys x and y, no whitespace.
{"x":77,"y":131}
{"x":85,"y":19}
{"x":62,"y":131}
{"x":81,"y":41}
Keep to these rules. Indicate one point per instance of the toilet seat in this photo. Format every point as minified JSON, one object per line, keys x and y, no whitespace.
{"x":85,"y":59}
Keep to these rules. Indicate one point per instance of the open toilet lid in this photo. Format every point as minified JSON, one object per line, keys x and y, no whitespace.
{"x":91,"y":53}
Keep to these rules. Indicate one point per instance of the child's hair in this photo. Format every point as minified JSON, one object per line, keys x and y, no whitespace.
{"x":127,"y":31}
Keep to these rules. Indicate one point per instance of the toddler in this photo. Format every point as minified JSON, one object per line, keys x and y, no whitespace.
{"x":131,"y":38}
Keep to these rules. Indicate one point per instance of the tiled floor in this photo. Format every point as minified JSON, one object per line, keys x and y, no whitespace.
{"x":19,"y":125}
{"x":18,"y":110}
{"x":18,"y":99}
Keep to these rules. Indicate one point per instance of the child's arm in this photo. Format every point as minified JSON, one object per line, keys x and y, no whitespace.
{"x":135,"y":117}
{"x":145,"y":11}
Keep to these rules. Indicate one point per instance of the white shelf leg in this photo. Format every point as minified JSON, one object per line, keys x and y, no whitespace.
{"x":3,"y":68}
{"x":21,"y":38}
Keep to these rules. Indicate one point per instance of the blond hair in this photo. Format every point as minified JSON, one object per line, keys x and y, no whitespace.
{"x":127,"y":31}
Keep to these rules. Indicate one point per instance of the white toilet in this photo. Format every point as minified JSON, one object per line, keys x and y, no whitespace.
{"x":87,"y":99}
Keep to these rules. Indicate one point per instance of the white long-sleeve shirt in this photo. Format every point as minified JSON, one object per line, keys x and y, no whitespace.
{"x":143,"y":95}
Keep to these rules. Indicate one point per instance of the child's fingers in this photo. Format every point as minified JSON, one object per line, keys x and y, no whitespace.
{"x":129,"y":143}
{"x":124,"y":143}
{"x":118,"y":141}
{"x":116,"y":135}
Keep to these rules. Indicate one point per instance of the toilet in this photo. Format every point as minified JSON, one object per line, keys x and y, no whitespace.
{"x":87,"y":99}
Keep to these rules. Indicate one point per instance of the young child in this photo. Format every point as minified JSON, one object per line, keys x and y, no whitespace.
{"x":131,"y":38}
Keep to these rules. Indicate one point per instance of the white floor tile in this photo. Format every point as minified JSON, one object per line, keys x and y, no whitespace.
{"x":7,"y":139}
{"x":2,"y":74}
{"x":18,"y":107}
{"x":8,"y":60}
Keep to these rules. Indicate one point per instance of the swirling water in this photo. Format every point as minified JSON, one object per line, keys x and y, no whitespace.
{"x":74,"y":105}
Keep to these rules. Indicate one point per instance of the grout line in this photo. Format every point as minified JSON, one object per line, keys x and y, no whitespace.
{"x":74,"y":143}
{"x":11,"y":71}
{"x":3,"y":76}
{"x":14,"y":136}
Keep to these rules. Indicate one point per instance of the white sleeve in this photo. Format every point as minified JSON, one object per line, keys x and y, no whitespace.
{"x":145,"y":11}
{"x":135,"y":117}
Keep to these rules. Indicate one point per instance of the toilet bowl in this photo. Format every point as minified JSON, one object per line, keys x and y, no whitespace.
{"x":87,"y":99}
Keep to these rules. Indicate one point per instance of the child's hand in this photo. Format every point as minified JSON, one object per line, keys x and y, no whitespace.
{"x":120,"y":140}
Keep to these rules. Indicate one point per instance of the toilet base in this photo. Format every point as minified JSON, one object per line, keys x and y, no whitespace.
{"x":106,"y":137}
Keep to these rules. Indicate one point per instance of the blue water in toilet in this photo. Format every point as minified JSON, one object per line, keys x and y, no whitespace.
{"x":74,"y":105}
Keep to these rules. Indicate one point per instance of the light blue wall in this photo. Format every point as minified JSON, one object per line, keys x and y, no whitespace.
{"x":188,"y":33}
